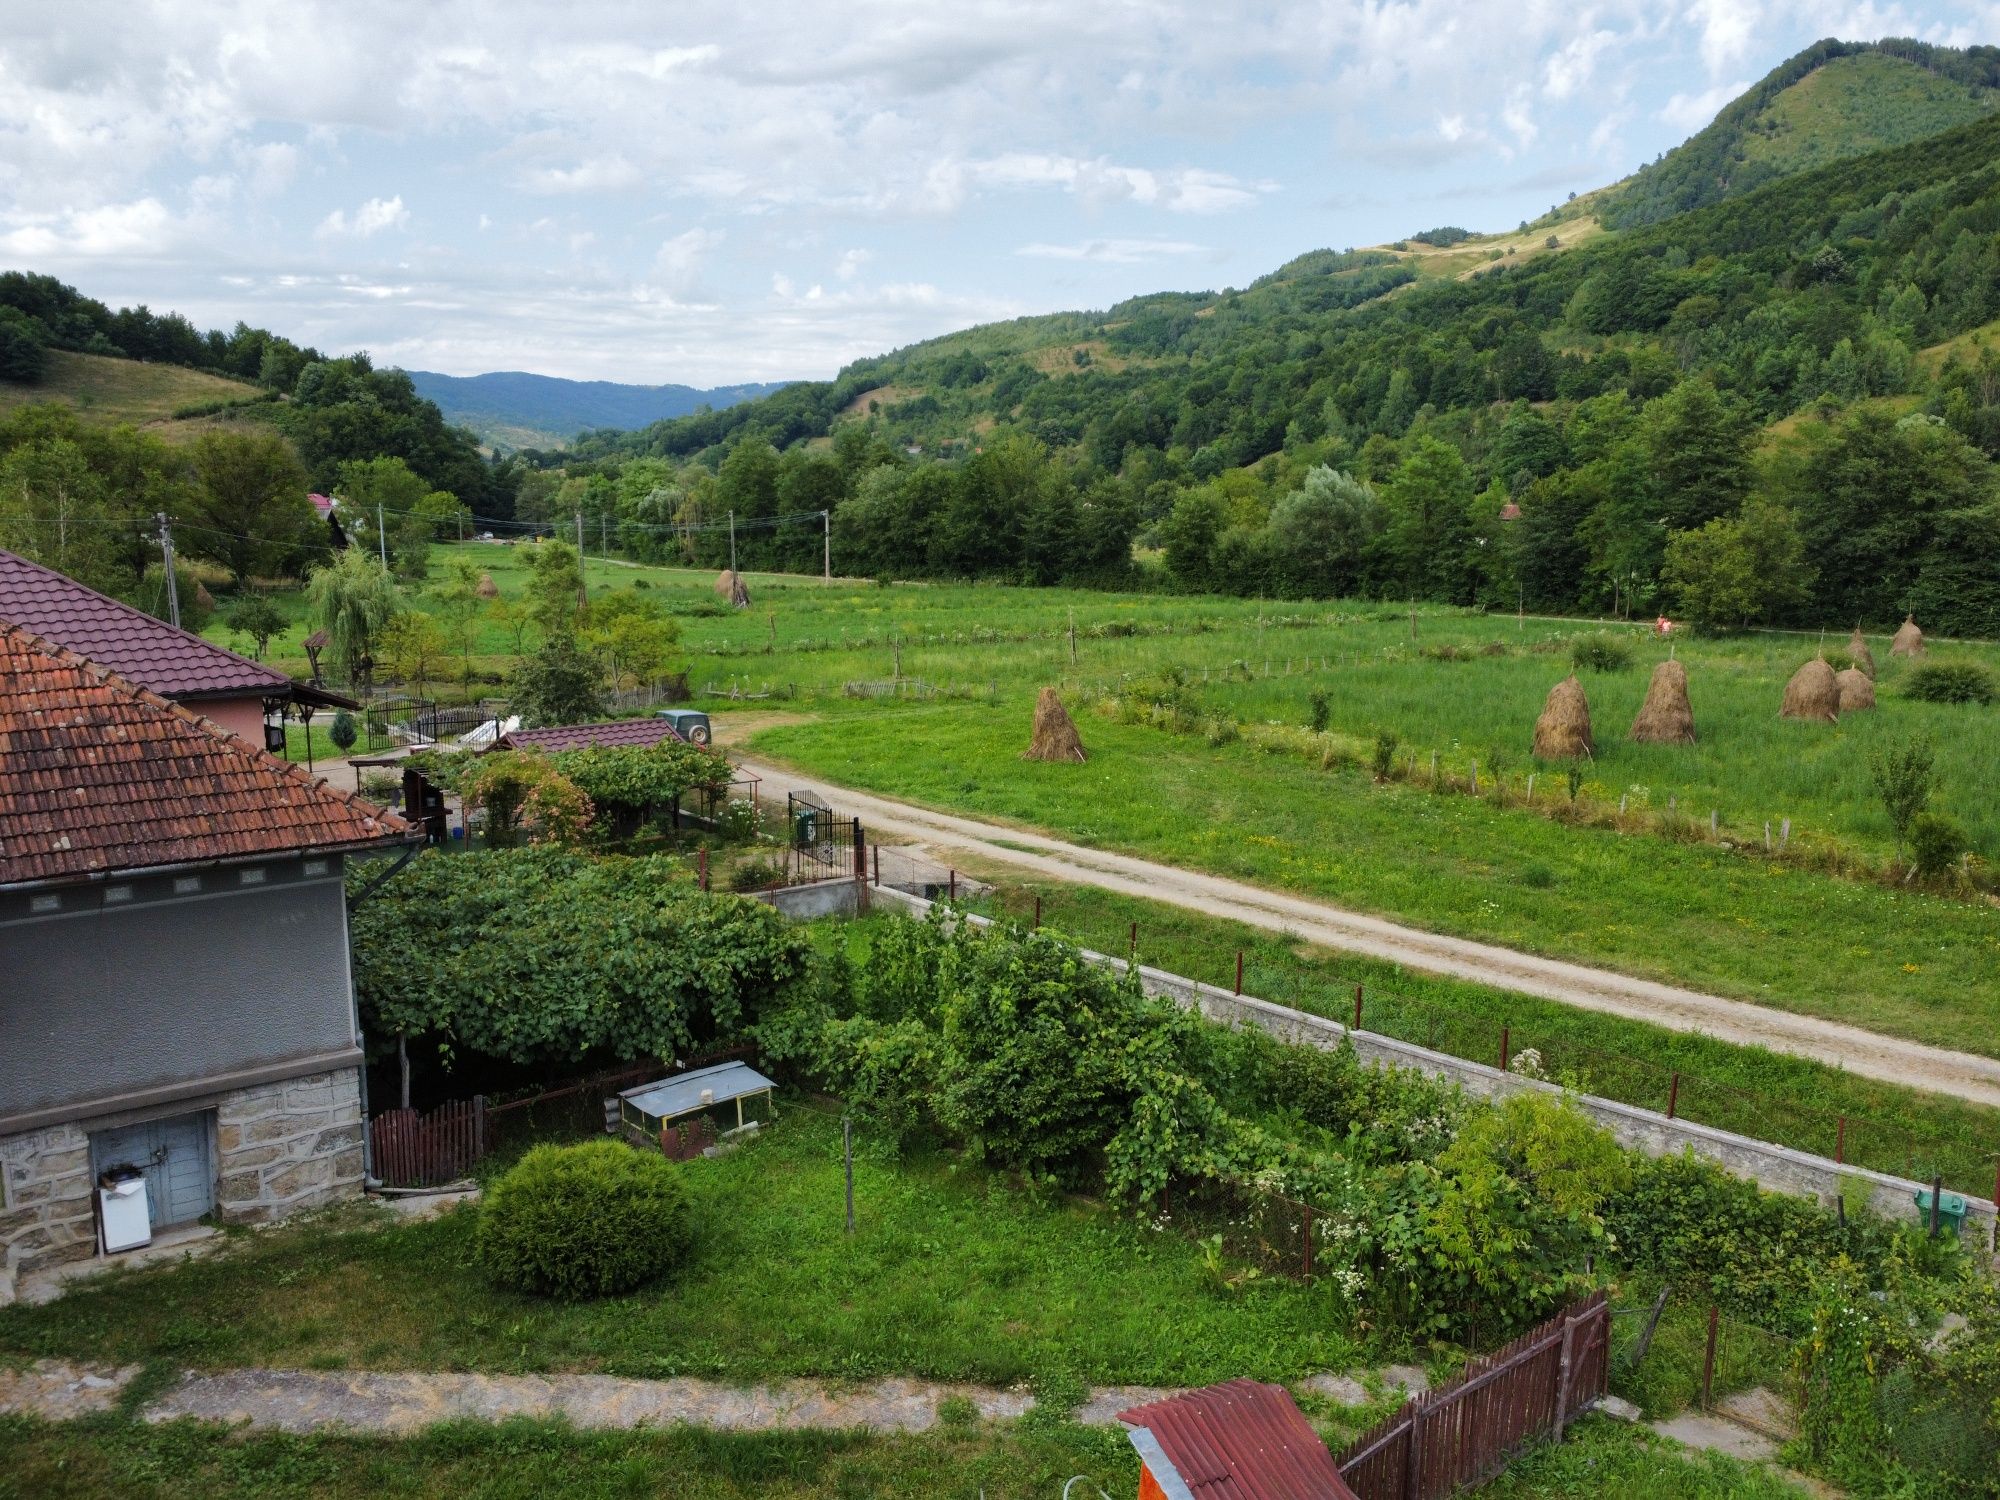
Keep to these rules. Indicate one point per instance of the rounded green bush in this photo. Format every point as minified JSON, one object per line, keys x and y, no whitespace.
{"x":589,"y":1220}
{"x":1950,"y":682}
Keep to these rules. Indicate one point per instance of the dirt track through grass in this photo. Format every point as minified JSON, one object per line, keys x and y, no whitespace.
{"x":1892,"y":1060}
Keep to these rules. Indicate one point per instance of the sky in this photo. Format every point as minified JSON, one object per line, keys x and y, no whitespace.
{"x":713,"y":193}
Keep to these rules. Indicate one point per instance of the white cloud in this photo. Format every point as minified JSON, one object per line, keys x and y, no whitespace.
{"x":603,"y":174}
{"x":374,"y":216}
{"x":1688,"y":113}
{"x":144,"y":227}
{"x":678,"y":262}
{"x":1123,"y":252}
{"x":851,"y":262}
{"x":1570,"y":67}
{"x":1728,"y":30}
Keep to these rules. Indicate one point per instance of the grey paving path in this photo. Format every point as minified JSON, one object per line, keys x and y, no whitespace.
{"x":402,"y":1402}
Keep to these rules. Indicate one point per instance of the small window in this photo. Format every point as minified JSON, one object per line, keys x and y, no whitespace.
{"x":113,"y":894}
{"x":315,"y":867}
{"x":251,"y":877}
{"x":45,"y":903}
{"x":186,"y":885}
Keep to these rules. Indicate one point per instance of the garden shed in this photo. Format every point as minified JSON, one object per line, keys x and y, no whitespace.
{"x":1241,"y":1440}
{"x":690,"y":1111}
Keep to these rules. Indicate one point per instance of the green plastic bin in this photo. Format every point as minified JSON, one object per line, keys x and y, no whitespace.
{"x":1951,"y":1209}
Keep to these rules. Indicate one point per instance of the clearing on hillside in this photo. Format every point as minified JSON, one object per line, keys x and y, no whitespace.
{"x":113,"y":392}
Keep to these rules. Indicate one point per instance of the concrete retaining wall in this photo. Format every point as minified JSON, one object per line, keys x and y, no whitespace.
{"x":1779,"y":1168}
{"x":822,"y":898}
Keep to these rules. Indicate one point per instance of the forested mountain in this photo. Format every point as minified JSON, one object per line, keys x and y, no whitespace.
{"x":1614,"y":388}
{"x":511,"y":408}
{"x":1832,"y":101}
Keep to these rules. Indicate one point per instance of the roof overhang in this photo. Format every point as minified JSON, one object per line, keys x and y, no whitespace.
{"x":184,"y":866}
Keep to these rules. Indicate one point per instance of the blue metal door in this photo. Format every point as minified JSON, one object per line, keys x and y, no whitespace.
{"x":176,"y":1157}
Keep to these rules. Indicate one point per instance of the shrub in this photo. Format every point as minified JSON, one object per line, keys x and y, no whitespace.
{"x":1950,"y":682}
{"x":1936,"y":842}
{"x":342,"y":731}
{"x":757,"y":874}
{"x":589,"y":1220}
{"x":1322,"y":710}
{"x":1600,"y":653}
{"x":1386,"y":742}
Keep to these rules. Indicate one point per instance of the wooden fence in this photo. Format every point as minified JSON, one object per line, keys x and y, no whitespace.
{"x":428,"y":1150}
{"x":1464,"y":1433}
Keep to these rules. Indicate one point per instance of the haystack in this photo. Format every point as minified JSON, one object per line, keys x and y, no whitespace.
{"x":1812,"y":693}
{"x":729,"y":586}
{"x":202,"y":597}
{"x":1563,"y":730}
{"x":1858,"y":652}
{"x":1909,"y":640}
{"x":1055,"y":737}
{"x":488,"y":589}
{"x":1666,"y":717}
{"x":1857,"y":691}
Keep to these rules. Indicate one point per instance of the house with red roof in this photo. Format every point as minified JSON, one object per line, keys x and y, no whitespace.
{"x":238,"y":694}
{"x":178,"y":995}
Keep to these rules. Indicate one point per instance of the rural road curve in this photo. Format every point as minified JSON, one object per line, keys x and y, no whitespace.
{"x":1866,"y":1053}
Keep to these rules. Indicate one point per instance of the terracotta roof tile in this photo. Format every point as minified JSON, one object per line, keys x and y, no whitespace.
{"x":98,"y":775}
{"x":581,"y":736}
{"x":150,"y":652}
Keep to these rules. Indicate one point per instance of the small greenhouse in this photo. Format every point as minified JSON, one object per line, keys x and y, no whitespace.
{"x":690,"y":1111}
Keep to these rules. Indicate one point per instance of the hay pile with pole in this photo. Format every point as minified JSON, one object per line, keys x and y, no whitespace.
{"x":1909,"y":640}
{"x":1857,"y":691}
{"x":1563,"y":730}
{"x":1858,"y":652}
{"x":732,"y":590}
{"x":1666,"y":717}
{"x":1813,"y":693}
{"x":1055,"y":737}
{"x":488,"y":589}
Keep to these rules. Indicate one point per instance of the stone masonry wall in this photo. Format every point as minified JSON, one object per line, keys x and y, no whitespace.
{"x":279,"y":1147}
{"x":286,"y":1146}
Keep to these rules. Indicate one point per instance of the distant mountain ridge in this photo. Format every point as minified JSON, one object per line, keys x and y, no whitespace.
{"x":516,"y":409}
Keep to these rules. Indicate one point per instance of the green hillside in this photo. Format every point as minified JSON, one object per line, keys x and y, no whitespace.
{"x":174,"y":401}
{"x":1833,"y":101}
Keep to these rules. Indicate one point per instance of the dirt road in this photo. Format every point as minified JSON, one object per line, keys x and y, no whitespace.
{"x":1866,"y":1053}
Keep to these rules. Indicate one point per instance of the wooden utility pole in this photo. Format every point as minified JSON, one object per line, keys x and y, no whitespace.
{"x":826,"y":545}
{"x":167,"y":562}
{"x":732,"y":541}
{"x":582,"y":588}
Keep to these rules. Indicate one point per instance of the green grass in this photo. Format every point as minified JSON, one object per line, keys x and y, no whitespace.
{"x":1695,"y":914}
{"x":193,"y":1461}
{"x":953,"y":1273}
{"x":1768,"y":1095}
{"x":520,"y":1459}
{"x":1857,"y":104}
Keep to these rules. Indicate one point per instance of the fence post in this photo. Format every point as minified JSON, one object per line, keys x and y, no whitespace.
{"x":1708,"y":1360}
{"x":1937,"y":1192}
{"x":1504,"y":1039}
{"x":703,"y":867}
{"x":878,"y":864}
{"x":1038,"y":909}
{"x":1674,"y":1095}
{"x":1562,"y":1376}
{"x":1413,"y":1456}
{"x":1239,"y":971}
{"x":860,"y":854}
{"x":952,"y":886}
{"x":1132,"y":951}
{"x":1357,"y":1007}
{"x":1306,"y":1209}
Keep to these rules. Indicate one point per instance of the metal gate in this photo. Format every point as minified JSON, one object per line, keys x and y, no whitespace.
{"x":176,"y":1158}
{"x":824,"y":847}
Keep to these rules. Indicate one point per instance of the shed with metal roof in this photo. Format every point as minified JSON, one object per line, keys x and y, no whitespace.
{"x":1241,"y":1440}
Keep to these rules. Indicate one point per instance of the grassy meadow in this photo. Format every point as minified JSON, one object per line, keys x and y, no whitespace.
{"x":110,"y":392}
{"x":924,"y":692}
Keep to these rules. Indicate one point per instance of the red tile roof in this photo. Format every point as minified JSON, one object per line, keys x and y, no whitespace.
{"x":1240,"y":1440}
{"x":97,"y":775}
{"x":129,"y":641}
{"x":582,"y":736}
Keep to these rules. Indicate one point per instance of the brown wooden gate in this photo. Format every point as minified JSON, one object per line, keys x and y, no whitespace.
{"x":429,"y":1150}
{"x":1464,"y":1433}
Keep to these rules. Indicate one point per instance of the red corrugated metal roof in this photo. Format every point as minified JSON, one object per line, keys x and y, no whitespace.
{"x":98,"y":775}
{"x":1241,"y":1440}
{"x":139,"y":648}
{"x":581,"y":736}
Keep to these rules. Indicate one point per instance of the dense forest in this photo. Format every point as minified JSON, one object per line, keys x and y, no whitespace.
{"x":1762,"y":409}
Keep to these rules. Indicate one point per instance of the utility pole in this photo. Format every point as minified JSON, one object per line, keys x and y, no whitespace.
{"x":604,"y":537}
{"x":381,"y":538}
{"x":167,"y":562}
{"x":826,"y":522}
{"x":732,"y":541}
{"x":582,"y":588}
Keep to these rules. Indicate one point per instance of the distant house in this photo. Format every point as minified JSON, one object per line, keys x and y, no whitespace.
{"x":175,"y":985}
{"x":236,"y":693}
{"x":642,"y":733}
{"x":1240,"y":1440}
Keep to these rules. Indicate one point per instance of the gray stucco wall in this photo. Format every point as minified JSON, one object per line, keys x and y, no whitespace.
{"x":176,"y":979}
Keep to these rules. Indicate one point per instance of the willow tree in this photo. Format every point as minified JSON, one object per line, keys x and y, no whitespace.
{"x":352,"y":598}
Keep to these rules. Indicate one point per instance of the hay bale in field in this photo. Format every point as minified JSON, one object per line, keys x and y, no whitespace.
{"x":202,"y":596}
{"x":731,"y":589}
{"x":1909,"y":640}
{"x":1858,"y":652}
{"x":488,"y":589}
{"x":1666,"y":717}
{"x":1563,"y":730}
{"x":1055,"y":737}
{"x":1857,"y":691}
{"x":1812,"y":693}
